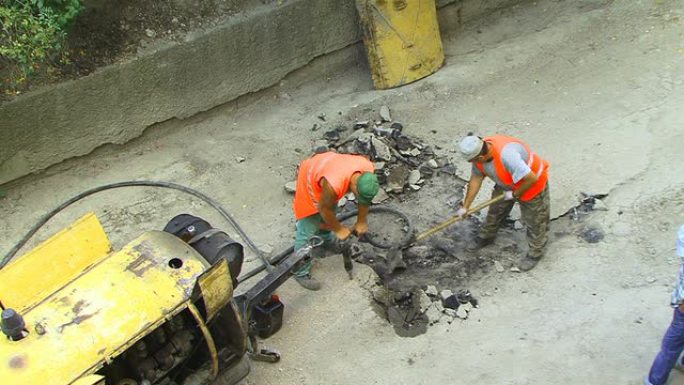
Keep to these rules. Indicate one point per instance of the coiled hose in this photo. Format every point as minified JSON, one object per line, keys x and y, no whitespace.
{"x":267,"y":264}
{"x":408,"y":238}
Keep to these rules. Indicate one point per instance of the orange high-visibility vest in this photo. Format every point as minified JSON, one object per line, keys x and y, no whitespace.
{"x":336,"y":168}
{"x":538,"y":166}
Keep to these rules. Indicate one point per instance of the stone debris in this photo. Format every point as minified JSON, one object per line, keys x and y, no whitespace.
{"x":414,"y":187}
{"x":361,"y":124}
{"x":433,"y":315}
{"x":515,"y":269}
{"x":320,"y":146}
{"x":444,"y":294}
{"x":498,"y":266}
{"x":150,"y":33}
{"x":592,"y":235}
{"x":385,"y":114}
{"x":350,"y":196}
{"x":424,"y":301}
{"x":518,"y":225}
{"x":291,"y":187}
{"x":413,"y":177}
{"x":467,"y":307}
{"x":380,"y":197}
{"x":432,"y":163}
{"x":266,"y":248}
{"x":451,"y":302}
{"x":239,"y":159}
{"x":342,"y":202}
{"x":461,"y":313}
{"x":380,"y":149}
{"x":321,"y":116}
{"x":379,"y":165}
{"x":397,"y":179}
{"x":432,"y":291}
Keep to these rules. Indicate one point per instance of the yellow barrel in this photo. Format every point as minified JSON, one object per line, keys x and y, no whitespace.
{"x":402,"y":40}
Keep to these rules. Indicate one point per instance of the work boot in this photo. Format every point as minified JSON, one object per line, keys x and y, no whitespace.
{"x":528,"y":263}
{"x":308,"y":282}
{"x":479,"y":243}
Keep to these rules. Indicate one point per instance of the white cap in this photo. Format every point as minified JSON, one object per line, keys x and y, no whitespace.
{"x":680,"y":242}
{"x":470,"y":146}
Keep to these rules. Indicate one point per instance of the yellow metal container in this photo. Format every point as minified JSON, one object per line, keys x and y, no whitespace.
{"x":402,"y":40}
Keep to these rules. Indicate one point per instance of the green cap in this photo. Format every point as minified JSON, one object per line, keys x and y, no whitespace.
{"x":368,"y":186}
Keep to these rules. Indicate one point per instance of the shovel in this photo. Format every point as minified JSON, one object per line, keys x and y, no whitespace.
{"x":395,"y":257}
{"x":456,"y":218}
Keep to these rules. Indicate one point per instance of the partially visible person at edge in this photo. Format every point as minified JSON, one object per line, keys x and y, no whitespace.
{"x":672,"y":347}
{"x":322,"y":181}
{"x":521,"y":175}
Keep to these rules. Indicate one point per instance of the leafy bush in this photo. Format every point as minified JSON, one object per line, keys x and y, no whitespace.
{"x":33,"y":34}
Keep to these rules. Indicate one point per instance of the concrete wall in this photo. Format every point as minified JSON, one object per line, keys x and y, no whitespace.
{"x":244,"y":55}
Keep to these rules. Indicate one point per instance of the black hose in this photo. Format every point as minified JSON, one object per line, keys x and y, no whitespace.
{"x":375,"y":209}
{"x":170,"y":185}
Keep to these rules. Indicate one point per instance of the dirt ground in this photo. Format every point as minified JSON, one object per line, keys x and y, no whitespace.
{"x":593,"y":86}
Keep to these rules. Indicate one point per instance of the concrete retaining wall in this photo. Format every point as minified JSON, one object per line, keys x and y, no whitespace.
{"x":244,"y":55}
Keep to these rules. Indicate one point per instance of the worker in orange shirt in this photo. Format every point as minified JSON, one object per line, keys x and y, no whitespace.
{"x":322,"y":181}
{"x":522,"y":176}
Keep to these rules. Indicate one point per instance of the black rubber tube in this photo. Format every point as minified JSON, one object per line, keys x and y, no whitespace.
{"x":374,"y":209}
{"x":143,"y":183}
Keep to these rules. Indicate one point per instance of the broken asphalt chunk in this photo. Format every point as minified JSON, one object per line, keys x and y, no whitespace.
{"x":385,"y":114}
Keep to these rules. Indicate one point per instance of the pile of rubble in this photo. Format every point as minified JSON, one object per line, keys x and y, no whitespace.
{"x":401,"y":163}
{"x":410,"y":312}
{"x":445,"y":305}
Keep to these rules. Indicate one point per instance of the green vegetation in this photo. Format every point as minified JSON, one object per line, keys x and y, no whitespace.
{"x":33,"y":35}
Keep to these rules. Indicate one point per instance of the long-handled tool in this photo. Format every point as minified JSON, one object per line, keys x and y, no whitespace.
{"x":395,"y":258}
{"x":455,"y":219}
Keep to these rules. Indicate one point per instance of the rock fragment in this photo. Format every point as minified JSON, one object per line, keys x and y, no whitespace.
{"x":433,"y":315}
{"x":385,"y":114}
{"x":424,"y":302}
{"x":444,"y":294}
{"x":380,"y":197}
{"x":291,"y":187}
{"x":413,"y":177}
{"x":461,"y":313}
{"x":380,"y":149}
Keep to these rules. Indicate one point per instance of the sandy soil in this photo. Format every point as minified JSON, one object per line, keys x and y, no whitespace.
{"x":594,"y":86}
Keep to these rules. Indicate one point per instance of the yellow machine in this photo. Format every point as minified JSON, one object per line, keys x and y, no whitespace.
{"x":158,"y":311}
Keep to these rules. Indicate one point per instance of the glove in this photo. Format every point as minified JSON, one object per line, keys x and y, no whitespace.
{"x":461,"y":212}
{"x":508,"y":195}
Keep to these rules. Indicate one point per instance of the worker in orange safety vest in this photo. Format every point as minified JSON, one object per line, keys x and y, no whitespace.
{"x":322,"y":181}
{"x":522,"y":176}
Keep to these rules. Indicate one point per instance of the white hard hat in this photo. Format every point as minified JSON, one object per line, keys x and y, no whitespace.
{"x":680,"y":242}
{"x":470,"y":146}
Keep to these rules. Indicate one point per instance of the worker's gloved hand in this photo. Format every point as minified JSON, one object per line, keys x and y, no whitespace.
{"x":343,"y":233}
{"x":360,"y":229}
{"x":508,"y":195}
{"x":461,"y":212}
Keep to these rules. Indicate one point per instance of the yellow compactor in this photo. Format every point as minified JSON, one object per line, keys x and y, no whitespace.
{"x":158,"y":311}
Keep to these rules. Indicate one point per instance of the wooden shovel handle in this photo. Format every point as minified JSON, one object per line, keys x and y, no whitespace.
{"x":456,"y":218}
